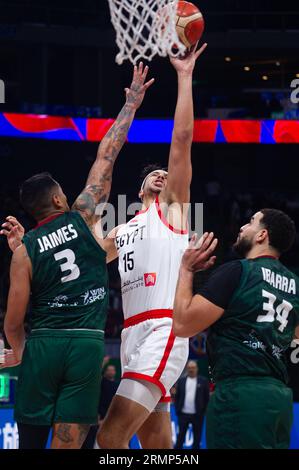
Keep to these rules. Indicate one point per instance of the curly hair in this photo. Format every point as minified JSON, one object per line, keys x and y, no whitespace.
{"x":281,"y":229}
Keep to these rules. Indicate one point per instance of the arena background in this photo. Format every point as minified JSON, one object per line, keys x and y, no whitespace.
{"x":58,"y":60}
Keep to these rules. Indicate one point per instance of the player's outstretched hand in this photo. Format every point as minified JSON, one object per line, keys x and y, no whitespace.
{"x":8,"y":359}
{"x":185,"y":64}
{"x":136,"y":92}
{"x":14,"y":232}
{"x":198,"y":256}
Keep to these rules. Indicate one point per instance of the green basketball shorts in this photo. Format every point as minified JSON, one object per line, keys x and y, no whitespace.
{"x":250,"y":413}
{"x":59,"y":379}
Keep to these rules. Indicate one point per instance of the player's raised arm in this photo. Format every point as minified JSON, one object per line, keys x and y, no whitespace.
{"x":107,"y":243}
{"x":98,"y":183}
{"x":179,"y":165}
{"x":18,"y":298}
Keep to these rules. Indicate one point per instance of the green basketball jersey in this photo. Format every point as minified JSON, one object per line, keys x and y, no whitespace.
{"x":259,"y":323}
{"x":69,"y":288}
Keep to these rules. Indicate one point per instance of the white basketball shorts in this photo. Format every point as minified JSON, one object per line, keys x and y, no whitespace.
{"x":151,"y":352}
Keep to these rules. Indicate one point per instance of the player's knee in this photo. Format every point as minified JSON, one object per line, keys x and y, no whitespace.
{"x":103,"y":440}
{"x":107,"y":439}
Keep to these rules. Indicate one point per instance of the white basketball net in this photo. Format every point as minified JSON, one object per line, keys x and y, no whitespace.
{"x":145,"y":28}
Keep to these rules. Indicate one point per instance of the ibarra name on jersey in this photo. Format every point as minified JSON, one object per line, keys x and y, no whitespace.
{"x":279,"y":282}
{"x":59,"y":237}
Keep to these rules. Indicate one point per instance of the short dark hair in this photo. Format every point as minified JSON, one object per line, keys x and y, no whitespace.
{"x":281,"y":229}
{"x":149,"y":169}
{"x":36,"y":194}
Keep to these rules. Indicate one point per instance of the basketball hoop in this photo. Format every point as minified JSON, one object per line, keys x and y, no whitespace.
{"x":145,"y":28}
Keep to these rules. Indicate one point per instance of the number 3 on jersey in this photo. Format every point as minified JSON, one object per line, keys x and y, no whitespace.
{"x":282,"y":311}
{"x":69,"y":265}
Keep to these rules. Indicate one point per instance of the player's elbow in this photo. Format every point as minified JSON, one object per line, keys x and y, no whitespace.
{"x":9,"y":330}
{"x":183,"y":136}
{"x":187,"y":325}
{"x":12,"y":325}
{"x":179,"y":329}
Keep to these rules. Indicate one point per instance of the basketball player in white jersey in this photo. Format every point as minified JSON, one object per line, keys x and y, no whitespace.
{"x":150,"y":248}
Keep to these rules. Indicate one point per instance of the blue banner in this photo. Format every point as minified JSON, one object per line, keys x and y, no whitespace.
{"x":9,"y":437}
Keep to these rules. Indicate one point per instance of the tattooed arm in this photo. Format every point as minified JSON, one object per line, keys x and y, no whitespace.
{"x":98,"y":183}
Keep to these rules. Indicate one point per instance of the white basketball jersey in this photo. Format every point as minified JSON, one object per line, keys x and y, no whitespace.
{"x":150,"y":253}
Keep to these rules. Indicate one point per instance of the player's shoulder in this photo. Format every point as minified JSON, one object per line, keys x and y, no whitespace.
{"x":291,"y":274}
{"x":77,"y":218}
{"x":230,"y":266}
{"x":113,"y":233}
{"x":227,"y":274}
{"x":74,"y":214}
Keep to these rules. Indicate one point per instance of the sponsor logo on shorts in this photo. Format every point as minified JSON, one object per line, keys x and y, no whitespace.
{"x":150,"y":279}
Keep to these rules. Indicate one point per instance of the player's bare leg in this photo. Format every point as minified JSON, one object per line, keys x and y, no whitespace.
{"x":123,"y":420}
{"x":69,"y":436}
{"x":155,"y":433}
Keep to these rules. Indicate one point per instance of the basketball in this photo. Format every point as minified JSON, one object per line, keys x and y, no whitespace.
{"x":189,"y":23}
